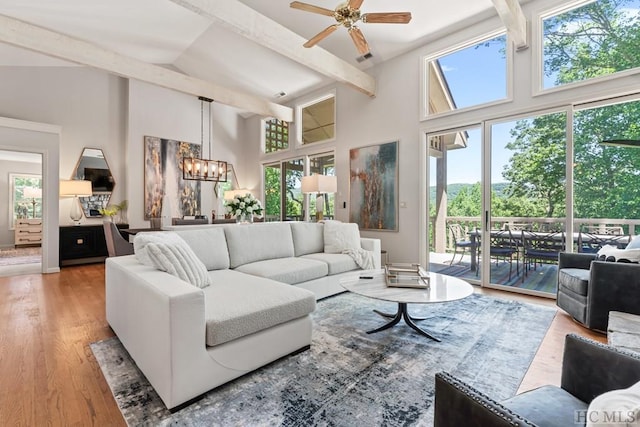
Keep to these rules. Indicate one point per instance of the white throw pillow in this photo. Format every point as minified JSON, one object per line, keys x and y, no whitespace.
{"x":339,"y":236}
{"x":615,"y":408}
{"x":141,"y":241}
{"x":180,"y":261}
{"x":607,"y":251}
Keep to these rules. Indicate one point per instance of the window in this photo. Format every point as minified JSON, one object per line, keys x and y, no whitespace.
{"x":276,"y":135}
{"x":25,"y":192}
{"x":318,"y":120}
{"x":284,"y":200}
{"x":473,"y":75}
{"x":283,"y":197}
{"x":593,"y":40}
{"x":323,"y":164}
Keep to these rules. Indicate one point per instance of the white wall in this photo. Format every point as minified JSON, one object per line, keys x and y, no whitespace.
{"x":88,"y":104}
{"x":163,"y":113}
{"x":394,"y":114}
{"x":18,"y":135}
{"x":7,"y":236}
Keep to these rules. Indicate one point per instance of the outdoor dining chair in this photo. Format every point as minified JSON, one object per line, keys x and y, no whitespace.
{"x":541,"y":248}
{"x":591,"y":243}
{"x":503,"y":247}
{"x":460,"y":240}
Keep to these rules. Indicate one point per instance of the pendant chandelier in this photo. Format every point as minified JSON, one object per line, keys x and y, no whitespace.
{"x":200,"y":169}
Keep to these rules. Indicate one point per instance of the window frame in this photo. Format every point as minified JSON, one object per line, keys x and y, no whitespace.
{"x":12,"y":200}
{"x":263,"y":136}
{"x":299,"y":125}
{"x":537,"y":80}
{"x":469,"y":42}
{"x":306,"y":159}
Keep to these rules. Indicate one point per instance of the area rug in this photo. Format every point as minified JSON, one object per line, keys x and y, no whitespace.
{"x":349,"y":378}
{"x":28,"y":255}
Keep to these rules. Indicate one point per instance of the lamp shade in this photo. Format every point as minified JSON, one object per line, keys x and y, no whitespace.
{"x":319,"y":184}
{"x":75,"y":187}
{"x":32,"y":193}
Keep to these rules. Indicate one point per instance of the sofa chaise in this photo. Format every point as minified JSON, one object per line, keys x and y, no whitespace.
{"x":265,"y":280}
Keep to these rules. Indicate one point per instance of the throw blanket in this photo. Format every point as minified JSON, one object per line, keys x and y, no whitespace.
{"x":362,"y":257}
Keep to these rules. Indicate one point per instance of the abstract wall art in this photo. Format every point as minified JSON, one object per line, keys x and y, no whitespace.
{"x":373,"y":186}
{"x":163,"y":183}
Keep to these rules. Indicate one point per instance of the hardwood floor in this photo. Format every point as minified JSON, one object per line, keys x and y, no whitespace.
{"x":48,"y":374}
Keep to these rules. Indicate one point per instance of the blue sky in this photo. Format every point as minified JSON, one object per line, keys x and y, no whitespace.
{"x":482,"y":81}
{"x":477,"y":75}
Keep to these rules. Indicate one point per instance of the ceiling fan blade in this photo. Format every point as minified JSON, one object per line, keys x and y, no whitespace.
{"x":321,"y":35}
{"x":311,"y":8}
{"x":359,"y":40}
{"x":387,"y":18}
{"x":355,"y":4}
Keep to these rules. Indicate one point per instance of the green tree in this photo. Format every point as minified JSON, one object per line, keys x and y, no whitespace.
{"x":590,"y":41}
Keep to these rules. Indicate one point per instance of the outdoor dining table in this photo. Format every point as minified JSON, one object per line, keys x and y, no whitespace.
{"x":517,"y":236}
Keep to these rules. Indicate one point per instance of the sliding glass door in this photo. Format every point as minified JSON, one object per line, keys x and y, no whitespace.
{"x":526,"y":191}
{"x":455,"y":202}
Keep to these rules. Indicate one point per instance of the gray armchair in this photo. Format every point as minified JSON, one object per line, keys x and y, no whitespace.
{"x":588,"y":289}
{"x":588,"y":370}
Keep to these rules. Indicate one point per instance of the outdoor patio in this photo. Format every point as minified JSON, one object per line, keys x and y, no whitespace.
{"x":542,"y":279}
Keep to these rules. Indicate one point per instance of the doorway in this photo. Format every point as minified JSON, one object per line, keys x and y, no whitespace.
{"x":22,"y":223}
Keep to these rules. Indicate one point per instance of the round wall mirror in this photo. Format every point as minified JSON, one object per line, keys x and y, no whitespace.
{"x":92,"y":166}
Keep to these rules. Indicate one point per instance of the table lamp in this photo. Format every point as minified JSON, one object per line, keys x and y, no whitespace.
{"x":321,"y":185}
{"x":33,"y":193}
{"x":75,"y":188}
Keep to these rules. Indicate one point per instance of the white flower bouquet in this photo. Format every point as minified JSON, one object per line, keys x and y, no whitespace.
{"x":244,"y":205}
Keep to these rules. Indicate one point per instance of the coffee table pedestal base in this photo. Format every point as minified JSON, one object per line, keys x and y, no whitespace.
{"x":402,"y":313}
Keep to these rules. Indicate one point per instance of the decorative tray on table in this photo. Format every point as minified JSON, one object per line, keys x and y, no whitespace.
{"x":406,"y":276}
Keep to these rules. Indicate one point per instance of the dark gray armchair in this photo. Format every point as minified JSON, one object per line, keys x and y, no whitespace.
{"x":588,"y":289}
{"x":588,"y":370}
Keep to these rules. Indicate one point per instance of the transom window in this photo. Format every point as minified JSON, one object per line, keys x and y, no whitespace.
{"x":592,"y":40}
{"x":318,"y":120}
{"x":276,"y":135}
{"x":473,"y":75}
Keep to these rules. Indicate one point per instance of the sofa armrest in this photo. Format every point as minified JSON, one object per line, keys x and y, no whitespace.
{"x":590,"y":368}
{"x":458,"y":404}
{"x":159,"y":319}
{"x":613,"y":286}
{"x":372,"y":245}
{"x":569,"y":260}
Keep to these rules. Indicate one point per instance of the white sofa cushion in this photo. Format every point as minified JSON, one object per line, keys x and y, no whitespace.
{"x":308,"y":237}
{"x":286,"y":270}
{"x":238,"y":304}
{"x":340,"y":236}
{"x":209,"y":244}
{"x":180,"y":261}
{"x":338,"y":263}
{"x":257,"y":242}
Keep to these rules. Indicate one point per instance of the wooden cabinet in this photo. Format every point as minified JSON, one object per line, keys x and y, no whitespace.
{"x":28,"y":232}
{"x":83,"y":244}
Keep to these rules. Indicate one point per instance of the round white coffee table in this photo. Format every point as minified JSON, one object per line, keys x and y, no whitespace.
{"x":442,"y":288}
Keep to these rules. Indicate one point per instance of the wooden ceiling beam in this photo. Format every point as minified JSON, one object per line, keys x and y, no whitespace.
{"x":38,"y":39}
{"x":245,"y":21}
{"x":514,"y":20}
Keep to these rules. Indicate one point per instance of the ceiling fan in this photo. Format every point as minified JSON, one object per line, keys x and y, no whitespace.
{"x":348,"y":14}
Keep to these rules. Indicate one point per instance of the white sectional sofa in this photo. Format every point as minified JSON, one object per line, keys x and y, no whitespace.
{"x":265,"y":281}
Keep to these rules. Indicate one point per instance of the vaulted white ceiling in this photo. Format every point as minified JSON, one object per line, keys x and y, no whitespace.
{"x":164,"y":32}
